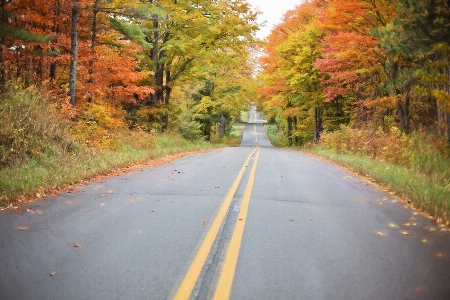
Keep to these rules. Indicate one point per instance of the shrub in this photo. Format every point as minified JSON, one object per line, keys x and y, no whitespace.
{"x":417,"y":151}
{"x":28,"y":126}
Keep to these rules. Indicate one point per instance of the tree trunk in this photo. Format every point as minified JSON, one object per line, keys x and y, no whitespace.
{"x":207,"y":129}
{"x":221,"y":126}
{"x":294,"y":126}
{"x":404,"y":114}
{"x":29,"y":77}
{"x":289,"y":130}
{"x":74,"y":52}
{"x":91,"y":80}
{"x":317,"y":124}
{"x":3,"y":19}
{"x":53,"y":64}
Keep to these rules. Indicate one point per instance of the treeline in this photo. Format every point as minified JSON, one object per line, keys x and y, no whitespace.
{"x":155,"y":65}
{"x":364,"y":64}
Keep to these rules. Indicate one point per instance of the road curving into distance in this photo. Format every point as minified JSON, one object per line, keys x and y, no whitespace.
{"x":250,"y":222}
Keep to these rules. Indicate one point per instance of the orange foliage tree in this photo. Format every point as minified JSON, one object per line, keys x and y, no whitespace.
{"x":36,"y":47}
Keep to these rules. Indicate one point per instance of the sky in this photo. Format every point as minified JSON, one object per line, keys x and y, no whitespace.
{"x":272,"y":12}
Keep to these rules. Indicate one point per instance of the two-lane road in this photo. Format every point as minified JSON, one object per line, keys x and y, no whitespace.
{"x":251,"y":222}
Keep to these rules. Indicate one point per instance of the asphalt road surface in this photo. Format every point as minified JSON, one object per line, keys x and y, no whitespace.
{"x":250,"y":222}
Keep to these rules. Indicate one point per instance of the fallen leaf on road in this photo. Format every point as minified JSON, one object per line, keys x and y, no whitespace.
{"x":430,"y":229}
{"x":441,"y":255}
{"x":240,"y":219}
{"x":110,"y":192}
{"x":411,"y":224}
{"x":420,"y":288}
{"x":52,"y":273}
{"x":405,"y":233}
{"x":53,"y":231}
{"x":393,"y":225}
{"x":290,"y":219}
{"x":203,"y":223}
{"x":22,"y":228}
{"x":425,"y":240}
{"x":443,"y":228}
{"x":381,"y":233}
{"x":76,"y":245}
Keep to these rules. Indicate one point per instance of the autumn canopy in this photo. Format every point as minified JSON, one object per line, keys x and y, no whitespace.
{"x":359,"y":63}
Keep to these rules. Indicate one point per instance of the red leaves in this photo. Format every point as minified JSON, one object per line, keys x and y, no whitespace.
{"x":346,"y":57}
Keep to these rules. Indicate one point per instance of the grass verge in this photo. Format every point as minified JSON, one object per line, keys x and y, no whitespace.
{"x":276,"y":137}
{"x":245,"y":115}
{"x":47,"y":174}
{"x":419,"y":189}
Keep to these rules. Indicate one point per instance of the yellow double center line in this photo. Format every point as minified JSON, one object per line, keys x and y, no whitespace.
{"x":226,"y":279}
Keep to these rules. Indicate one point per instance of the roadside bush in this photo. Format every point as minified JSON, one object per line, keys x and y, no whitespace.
{"x":28,"y":126}
{"x":417,"y":151}
{"x":190,"y":130}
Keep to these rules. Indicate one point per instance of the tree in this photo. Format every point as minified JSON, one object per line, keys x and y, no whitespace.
{"x":74,"y":52}
{"x":292,"y":83}
{"x":176,"y":33}
{"x":425,"y":25}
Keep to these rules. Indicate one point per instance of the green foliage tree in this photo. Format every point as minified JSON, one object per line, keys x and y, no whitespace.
{"x":174,"y":34}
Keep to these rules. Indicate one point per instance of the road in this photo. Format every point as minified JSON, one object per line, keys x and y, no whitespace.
{"x":249,"y":222}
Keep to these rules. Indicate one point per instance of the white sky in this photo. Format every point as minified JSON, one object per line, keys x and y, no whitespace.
{"x":272,"y":12}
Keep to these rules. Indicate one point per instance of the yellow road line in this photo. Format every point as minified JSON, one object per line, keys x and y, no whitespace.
{"x":225,"y":283}
{"x":187,"y":285}
{"x":256,"y":134}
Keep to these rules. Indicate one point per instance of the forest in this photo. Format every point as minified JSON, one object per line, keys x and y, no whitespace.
{"x":136,"y":63}
{"x":360,"y":62}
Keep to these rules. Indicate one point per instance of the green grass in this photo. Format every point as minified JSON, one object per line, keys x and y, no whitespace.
{"x":245,"y":115}
{"x":276,"y":137}
{"x":237,"y":131}
{"x":416,"y":187}
{"x":44,"y":174}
